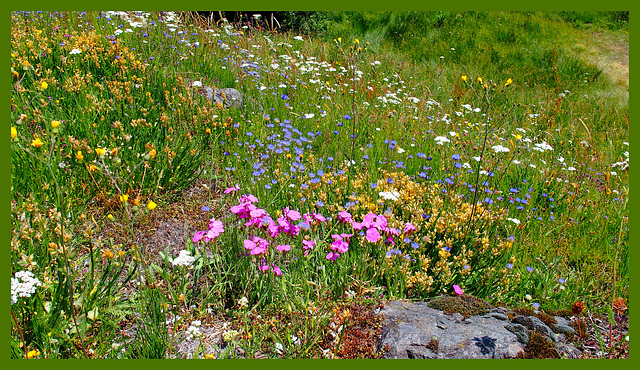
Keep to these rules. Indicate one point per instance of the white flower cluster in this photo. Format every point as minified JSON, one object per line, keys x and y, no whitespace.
{"x":500,"y":149}
{"x":230,"y":335}
{"x":514,"y":220}
{"x":440,"y":140}
{"x":184,"y":259}
{"x":389,"y":195}
{"x":23,"y":285}
{"x":541,"y":147}
{"x":243,"y":302}
{"x":193,"y":331}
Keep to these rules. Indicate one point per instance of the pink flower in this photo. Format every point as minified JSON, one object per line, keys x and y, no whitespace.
{"x":273,"y":229}
{"x":344,"y":217}
{"x":380,"y":222}
{"x":216,"y":226}
{"x":291,"y":214}
{"x":372,"y":235}
{"x":265,"y":267}
{"x":248,"y":198}
{"x":199,"y":235}
{"x":276,"y":270}
{"x":340,"y":245}
{"x":308,"y":244}
{"x":239,"y":210}
{"x":258,"y":250}
{"x":232,"y":189}
{"x":369,"y":220}
{"x":356,"y":225}
{"x":458,"y":290}
{"x":332,"y":256}
{"x":319,"y":217}
{"x":211,"y":234}
{"x":283,"y":247}
{"x":258,"y":213}
{"x":392,"y":230}
{"x":249,"y":244}
{"x":409,"y":228}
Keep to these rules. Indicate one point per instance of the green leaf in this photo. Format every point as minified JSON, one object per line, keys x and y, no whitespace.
{"x":93,"y":314}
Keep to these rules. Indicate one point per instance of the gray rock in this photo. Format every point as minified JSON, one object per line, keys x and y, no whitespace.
{"x":409,"y":327}
{"x":568,"y":350}
{"x":497,"y":315}
{"x":520,"y":331}
{"x":534,"y":323}
{"x":564,"y":329}
{"x":561,"y":320}
{"x":502,"y":310}
{"x":229,"y":97}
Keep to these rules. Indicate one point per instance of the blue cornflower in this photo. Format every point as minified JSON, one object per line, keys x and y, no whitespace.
{"x":205,"y":209}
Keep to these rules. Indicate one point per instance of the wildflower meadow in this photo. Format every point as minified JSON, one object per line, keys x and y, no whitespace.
{"x":145,"y":215}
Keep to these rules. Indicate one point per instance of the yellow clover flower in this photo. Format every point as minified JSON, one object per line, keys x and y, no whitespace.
{"x":151,"y":206}
{"x":101,"y":152}
{"x":14,"y":133}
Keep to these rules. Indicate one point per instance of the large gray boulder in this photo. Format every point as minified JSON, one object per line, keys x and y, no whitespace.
{"x":414,"y":330}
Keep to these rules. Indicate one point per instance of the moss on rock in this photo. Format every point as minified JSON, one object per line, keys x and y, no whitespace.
{"x":465,"y":305}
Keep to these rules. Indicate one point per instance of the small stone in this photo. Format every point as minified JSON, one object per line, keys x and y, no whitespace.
{"x":534,"y":323}
{"x":520,"y":331}
{"x":561,"y":320}
{"x":497,"y":315}
{"x":564,"y":329}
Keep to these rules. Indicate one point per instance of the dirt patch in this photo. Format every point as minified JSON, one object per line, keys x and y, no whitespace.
{"x":610,"y":52}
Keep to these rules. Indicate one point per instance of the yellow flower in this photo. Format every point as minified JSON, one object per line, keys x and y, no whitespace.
{"x":55,"y":124}
{"x":356,"y":41}
{"x":208,"y":131}
{"x":33,"y":353}
{"x":37,"y":143}
{"x":339,"y":39}
{"x":15,"y":74}
{"x":14,"y":133}
{"x":152,"y":153}
{"x":209,"y":356}
{"x":101,"y":152}
{"x":136,"y":202}
{"x":92,"y":167}
{"x":479,"y":80}
{"x":44,"y":85}
{"x":464,"y":78}
{"x":151,"y":206}
{"x":509,"y":82}
{"x":110,"y":217}
{"x":79,"y":155}
{"x":107,"y":254}
{"x":124,"y":198}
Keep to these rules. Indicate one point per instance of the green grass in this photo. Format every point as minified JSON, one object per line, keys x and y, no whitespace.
{"x":407,"y":126}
